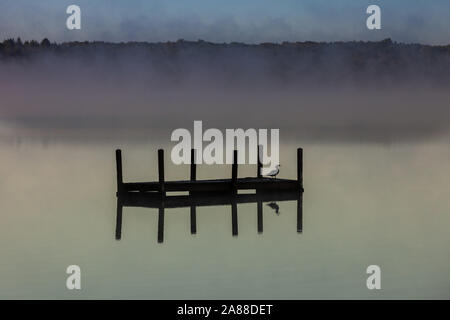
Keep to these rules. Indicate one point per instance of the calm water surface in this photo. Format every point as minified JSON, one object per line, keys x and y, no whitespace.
{"x":363,"y":204}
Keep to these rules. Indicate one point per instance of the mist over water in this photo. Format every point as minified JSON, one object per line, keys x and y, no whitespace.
{"x":373,"y":92}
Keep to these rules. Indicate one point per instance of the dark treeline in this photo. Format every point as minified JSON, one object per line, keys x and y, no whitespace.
{"x":285,"y":62}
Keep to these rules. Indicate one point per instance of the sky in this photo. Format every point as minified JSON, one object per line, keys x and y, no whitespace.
{"x":250,"y":21}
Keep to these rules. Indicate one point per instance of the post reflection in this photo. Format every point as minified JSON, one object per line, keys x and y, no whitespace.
{"x":156,"y":201}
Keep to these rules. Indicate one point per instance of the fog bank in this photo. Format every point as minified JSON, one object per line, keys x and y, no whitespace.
{"x":369,"y":92}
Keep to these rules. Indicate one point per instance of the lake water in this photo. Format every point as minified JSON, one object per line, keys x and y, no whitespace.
{"x":364,"y":204}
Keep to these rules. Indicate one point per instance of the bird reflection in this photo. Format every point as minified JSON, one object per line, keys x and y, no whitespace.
{"x":155,"y":200}
{"x":274,"y":206}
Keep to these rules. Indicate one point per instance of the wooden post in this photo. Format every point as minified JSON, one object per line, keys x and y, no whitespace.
{"x":193,"y":208}
{"x":234,"y":222}
{"x":119,"y":171}
{"x":193,"y":166}
{"x":161,"y":171}
{"x":161,"y":223}
{"x":260,"y":216}
{"x":234,"y":171}
{"x":259,"y":165}
{"x":119,"y":219}
{"x":300,"y":213}
{"x":163,"y":193}
{"x":300,"y":167}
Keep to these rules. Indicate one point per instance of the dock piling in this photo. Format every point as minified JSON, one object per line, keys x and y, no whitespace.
{"x":119,"y":171}
{"x":234,"y":171}
{"x":259,"y":164}
{"x":161,"y":172}
{"x":193,"y":208}
{"x":193,"y":166}
{"x":300,"y":166}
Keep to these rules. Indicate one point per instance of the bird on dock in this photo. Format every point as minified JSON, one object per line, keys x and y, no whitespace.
{"x":274,"y":206}
{"x":274,"y":172}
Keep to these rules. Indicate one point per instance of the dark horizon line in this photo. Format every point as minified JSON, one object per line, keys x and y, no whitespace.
{"x":198,"y":41}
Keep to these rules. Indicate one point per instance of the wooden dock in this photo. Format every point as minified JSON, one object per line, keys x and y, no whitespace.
{"x":213,"y":192}
{"x":193,"y":185}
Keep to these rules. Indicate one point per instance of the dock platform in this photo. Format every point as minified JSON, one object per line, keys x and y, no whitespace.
{"x":193,"y":185}
{"x":213,"y":192}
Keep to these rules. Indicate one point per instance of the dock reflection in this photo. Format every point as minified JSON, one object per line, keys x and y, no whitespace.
{"x":156,"y":201}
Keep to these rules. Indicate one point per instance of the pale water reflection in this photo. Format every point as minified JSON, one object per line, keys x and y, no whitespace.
{"x":363,"y":204}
